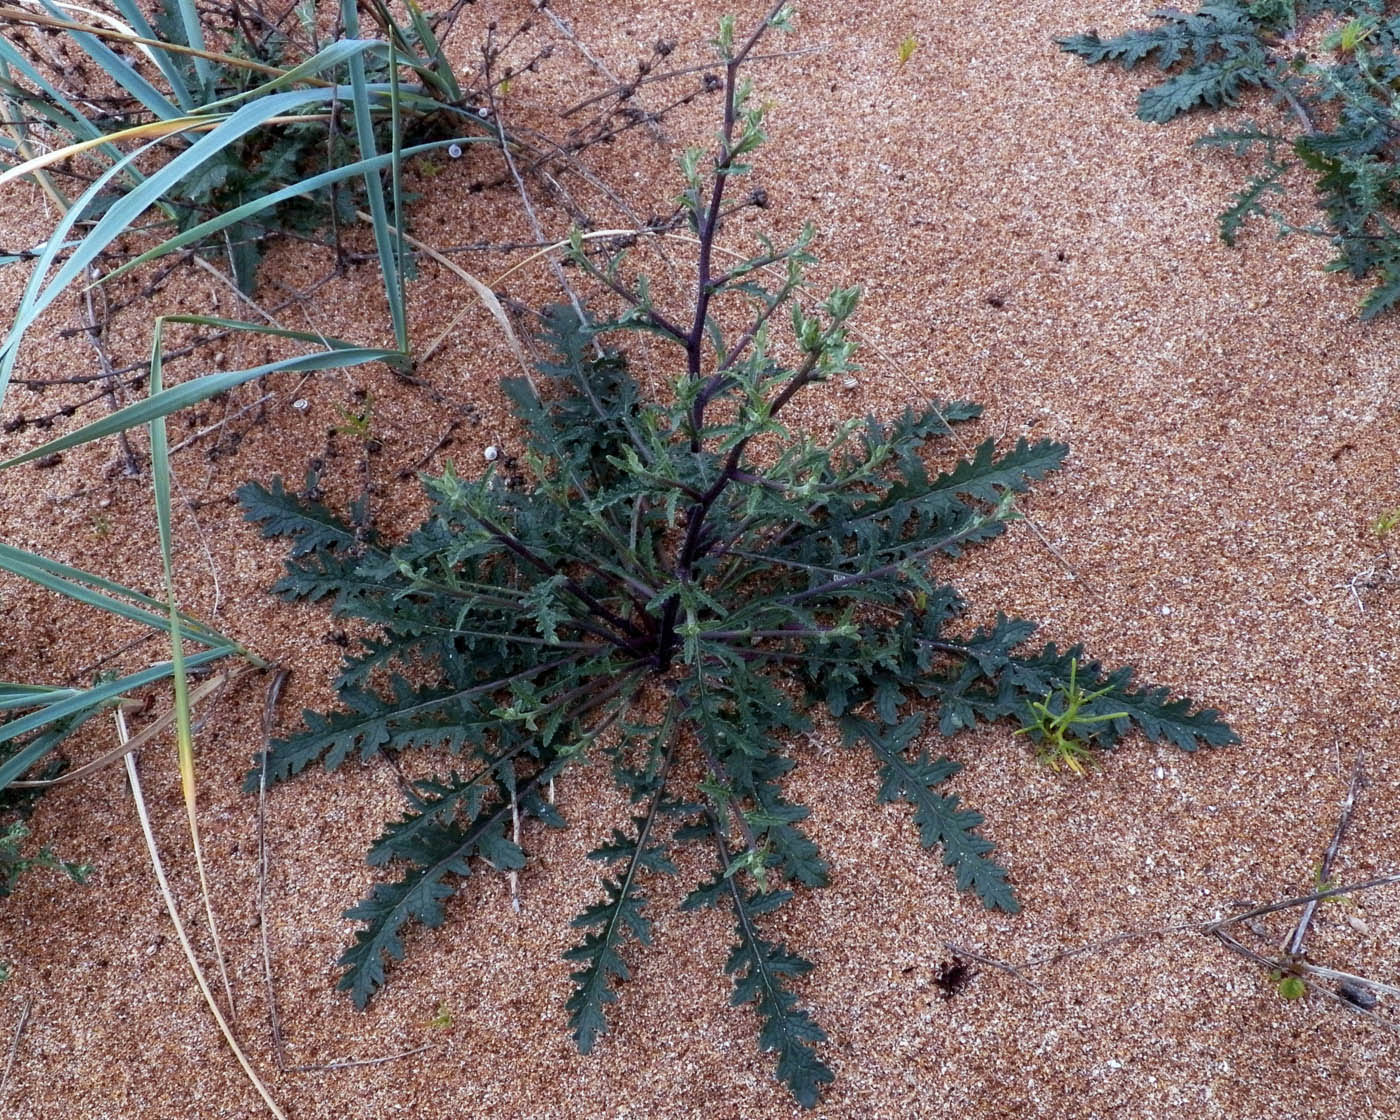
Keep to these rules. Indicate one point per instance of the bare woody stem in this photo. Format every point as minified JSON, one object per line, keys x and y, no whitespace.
{"x":705,"y":287}
{"x":599,"y":609}
{"x":693,"y":547}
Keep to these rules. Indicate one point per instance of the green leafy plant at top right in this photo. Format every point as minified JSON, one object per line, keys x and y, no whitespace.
{"x":1337,"y":117}
{"x":671,"y":593}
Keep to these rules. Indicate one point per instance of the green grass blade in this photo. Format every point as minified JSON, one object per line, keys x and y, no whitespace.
{"x":69,"y":581}
{"x":396,"y":171}
{"x":77,"y":124}
{"x":388,"y":242}
{"x":9,"y":553}
{"x":267,"y":201}
{"x":125,"y":211}
{"x":440,"y":72}
{"x":327,"y":58}
{"x":160,"y":481}
{"x":92,"y":697}
{"x":13,"y":99}
{"x":70,"y":119}
{"x":184,"y":730}
{"x":44,"y":742}
{"x":194,"y":37}
{"x":30,"y":567}
{"x":169,"y":67}
{"x":14,"y":695}
{"x":201,"y":389}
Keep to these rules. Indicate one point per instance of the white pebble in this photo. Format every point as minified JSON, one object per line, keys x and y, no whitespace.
{"x":454,"y":150}
{"x":1166,"y":610}
{"x":490,"y":454}
{"x":301,"y":405}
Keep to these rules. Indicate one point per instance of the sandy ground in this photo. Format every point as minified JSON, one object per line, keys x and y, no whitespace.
{"x":1024,"y":242}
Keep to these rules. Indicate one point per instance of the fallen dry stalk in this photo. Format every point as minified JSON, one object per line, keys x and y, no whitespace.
{"x":214,"y":684}
{"x":14,"y":1043}
{"x":1301,"y":900}
{"x":1329,"y":857}
{"x":140,"y":802}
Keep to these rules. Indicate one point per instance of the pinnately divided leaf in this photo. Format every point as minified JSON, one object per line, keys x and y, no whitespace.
{"x":611,"y":921}
{"x":761,"y":970}
{"x":670,"y":588}
{"x":937,"y":815}
{"x":1213,"y":84}
{"x":310,"y":525}
{"x":419,"y":894}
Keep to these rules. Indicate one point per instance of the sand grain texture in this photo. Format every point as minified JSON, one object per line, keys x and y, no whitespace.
{"x":1025,"y":243}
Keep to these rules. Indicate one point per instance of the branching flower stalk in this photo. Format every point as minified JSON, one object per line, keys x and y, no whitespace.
{"x":662,"y":599}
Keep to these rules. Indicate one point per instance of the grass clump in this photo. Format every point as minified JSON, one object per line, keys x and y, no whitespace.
{"x":170,"y":82}
{"x":674,"y":591}
{"x":1338,"y":114}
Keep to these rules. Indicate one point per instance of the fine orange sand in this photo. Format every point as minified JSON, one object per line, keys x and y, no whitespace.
{"x":1024,"y":242}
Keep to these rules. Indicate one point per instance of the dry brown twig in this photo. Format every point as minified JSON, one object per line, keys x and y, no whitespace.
{"x":562,"y":26}
{"x":351,"y":1063}
{"x":95,"y":328}
{"x":172,"y":909}
{"x":14,"y":1044}
{"x":1264,"y":962}
{"x":1299,"y":900}
{"x":1352,"y":989}
{"x":535,"y":226}
{"x":1292,"y":963}
{"x":274,"y":693}
{"x":1357,"y":783}
{"x":1216,"y":928}
{"x":991,"y":962}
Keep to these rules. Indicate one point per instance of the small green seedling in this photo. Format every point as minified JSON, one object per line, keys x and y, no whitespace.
{"x":1350,"y":36}
{"x":1323,"y":883}
{"x":442,"y":1021}
{"x":1289,"y":986}
{"x":907,"y":46}
{"x":1386,"y":524}
{"x":13,"y":864}
{"x":357,"y":423}
{"x":1051,"y":728}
